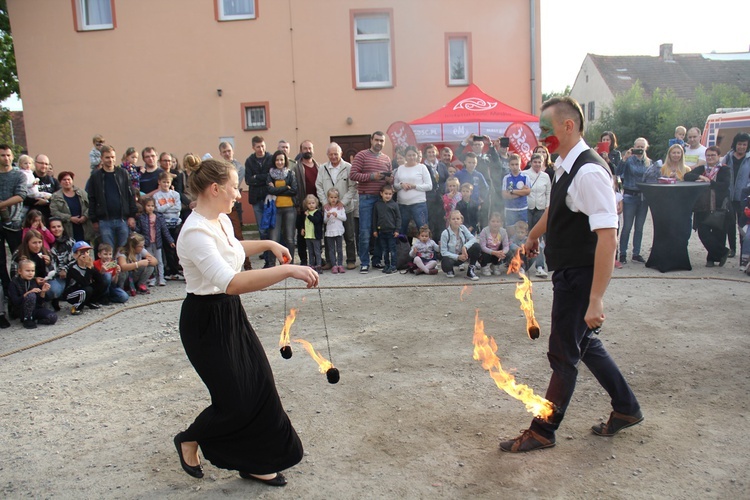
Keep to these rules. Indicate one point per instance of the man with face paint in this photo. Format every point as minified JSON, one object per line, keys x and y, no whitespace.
{"x":581,"y":227}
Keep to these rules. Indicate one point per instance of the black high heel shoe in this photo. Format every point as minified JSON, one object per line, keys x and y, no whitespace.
{"x":193,"y":470}
{"x":278,"y":480}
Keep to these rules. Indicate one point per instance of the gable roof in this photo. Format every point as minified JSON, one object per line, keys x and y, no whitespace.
{"x":683,"y":73}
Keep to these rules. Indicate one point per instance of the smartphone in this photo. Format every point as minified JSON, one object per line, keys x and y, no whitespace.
{"x":637,"y":151}
{"x":602,"y":147}
{"x":504,"y":142}
{"x":478,"y":137}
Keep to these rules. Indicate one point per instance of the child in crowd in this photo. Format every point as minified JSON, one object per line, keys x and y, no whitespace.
{"x":86,"y":286}
{"x":27,"y":296}
{"x":168,"y":204}
{"x":313,"y":231}
{"x":110,"y":272}
{"x":334,"y":218}
{"x":495,"y":245}
{"x":95,"y":155}
{"x":61,"y":252}
{"x":26,"y":166}
{"x":35,"y":220}
{"x":386,"y":221}
{"x":745,"y":241}
{"x":469,"y":208}
{"x":516,"y":189}
{"x":679,"y":136}
{"x":451,"y":197}
{"x":518,"y":234}
{"x":452,"y":170}
{"x":423,"y":252}
{"x":136,"y":265}
{"x":32,"y":248}
{"x":458,"y":245}
{"x":471,"y":175}
{"x":153,"y":228}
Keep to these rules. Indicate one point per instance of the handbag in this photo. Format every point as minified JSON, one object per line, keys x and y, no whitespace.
{"x":716,"y":217}
{"x":268,"y":221}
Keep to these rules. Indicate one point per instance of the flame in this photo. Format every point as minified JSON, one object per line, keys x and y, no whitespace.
{"x":284,"y":339}
{"x":484,"y":352}
{"x":323,"y":364}
{"x":523,"y":294}
{"x":465,"y":290}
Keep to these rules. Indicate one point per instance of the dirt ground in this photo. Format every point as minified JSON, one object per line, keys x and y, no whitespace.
{"x":92,"y":415}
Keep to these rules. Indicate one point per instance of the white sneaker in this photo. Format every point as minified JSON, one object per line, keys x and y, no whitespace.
{"x":540,"y":272}
{"x":486,"y":271}
{"x":462,"y":267}
{"x":497,"y":270}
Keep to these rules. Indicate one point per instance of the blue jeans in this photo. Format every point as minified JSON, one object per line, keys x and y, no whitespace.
{"x":417,"y":211}
{"x":114,"y":232}
{"x":284,"y":230}
{"x":388,"y":247}
{"x":114,"y":292}
{"x":634,"y":209}
{"x":570,"y":342}
{"x":513,"y":216}
{"x":263,"y":234}
{"x":366,"y":204}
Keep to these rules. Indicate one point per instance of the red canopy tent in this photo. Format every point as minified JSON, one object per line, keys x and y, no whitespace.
{"x":472,"y":112}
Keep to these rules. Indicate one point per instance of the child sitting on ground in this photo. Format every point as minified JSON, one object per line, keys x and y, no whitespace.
{"x":86,"y":286}
{"x":26,"y":293}
{"x":469,"y":208}
{"x":495,"y":245}
{"x":423,"y":252}
{"x":136,"y":265}
{"x":110,"y":272}
{"x":334,"y":218}
{"x":458,"y":245}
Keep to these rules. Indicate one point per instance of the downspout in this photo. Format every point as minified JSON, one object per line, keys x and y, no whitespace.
{"x":532,"y":30}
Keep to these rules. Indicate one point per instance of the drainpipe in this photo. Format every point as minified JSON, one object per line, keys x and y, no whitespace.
{"x":532,"y":30}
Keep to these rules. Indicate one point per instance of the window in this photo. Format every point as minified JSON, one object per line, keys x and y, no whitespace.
{"x":255,"y":116}
{"x":373,"y":50}
{"x":458,"y":58}
{"x":583,"y":109}
{"x":93,"y":15}
{"x":235,"y":10}
{"x":592,"y":111}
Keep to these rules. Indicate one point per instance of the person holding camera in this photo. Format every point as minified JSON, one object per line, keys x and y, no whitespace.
{"x":631,"y":170}
{"x":371,"y":169}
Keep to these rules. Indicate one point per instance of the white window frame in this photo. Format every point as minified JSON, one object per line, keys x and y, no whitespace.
{"x":378,"y":37}
{"x":80,"y":16}
{"x":235,"y":17}
{"x":247,"y":108}
{"x":465,"y":80}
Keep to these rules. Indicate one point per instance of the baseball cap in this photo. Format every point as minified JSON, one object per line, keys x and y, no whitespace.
{"x":81,"y":245}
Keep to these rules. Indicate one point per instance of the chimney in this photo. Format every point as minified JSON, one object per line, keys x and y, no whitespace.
{"x":665,"y":52}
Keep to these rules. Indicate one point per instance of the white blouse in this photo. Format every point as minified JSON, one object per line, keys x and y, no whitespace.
{"x":209,"y":253}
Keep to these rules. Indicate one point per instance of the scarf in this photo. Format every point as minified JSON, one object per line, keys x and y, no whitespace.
{"x":278,"y":173}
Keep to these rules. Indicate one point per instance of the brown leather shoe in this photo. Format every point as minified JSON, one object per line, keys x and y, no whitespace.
{"x":527,"y":441}
{"x":327,"y":267}
{"x":616,"y":422}
{"x":351,"y":265}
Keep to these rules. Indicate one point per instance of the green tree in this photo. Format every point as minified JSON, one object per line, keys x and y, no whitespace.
{"x":634,"y":115}
{"x":8,"y":72}
{"x":555,"y":93}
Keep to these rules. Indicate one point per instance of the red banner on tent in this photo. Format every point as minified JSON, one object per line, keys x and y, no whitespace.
{"x":401,"y":134}
{"x":522,"y":141}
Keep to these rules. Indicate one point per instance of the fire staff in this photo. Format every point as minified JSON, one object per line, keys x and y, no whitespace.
{"x":580,"y":223}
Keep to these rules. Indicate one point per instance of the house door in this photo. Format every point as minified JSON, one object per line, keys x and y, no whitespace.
{"x":351,"y":145}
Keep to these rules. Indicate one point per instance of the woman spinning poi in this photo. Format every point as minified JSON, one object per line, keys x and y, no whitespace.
{"x":245,"y":428}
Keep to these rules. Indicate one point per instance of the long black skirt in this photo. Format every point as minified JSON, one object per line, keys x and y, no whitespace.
{"x":246,"y":427}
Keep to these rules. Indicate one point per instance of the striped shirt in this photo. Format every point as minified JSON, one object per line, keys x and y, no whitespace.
{"x":364,"y":166}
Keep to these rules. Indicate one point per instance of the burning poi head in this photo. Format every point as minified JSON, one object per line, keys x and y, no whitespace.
{"x":325,"y":366}
{"x":284,"y":344}
{"x":484,"y":352}
{"x":523,"y":294}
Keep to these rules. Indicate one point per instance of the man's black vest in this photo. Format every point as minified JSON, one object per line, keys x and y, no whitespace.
{"x":570,"y":240}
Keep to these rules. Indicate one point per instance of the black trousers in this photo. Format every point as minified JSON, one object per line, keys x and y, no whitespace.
{"x":571,"y":342}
